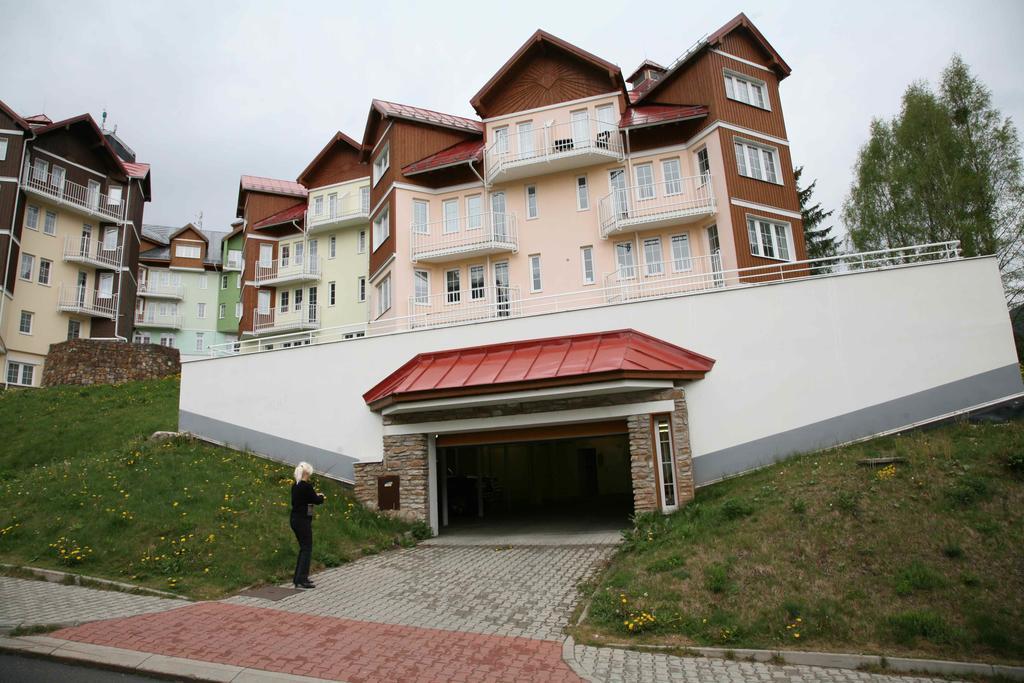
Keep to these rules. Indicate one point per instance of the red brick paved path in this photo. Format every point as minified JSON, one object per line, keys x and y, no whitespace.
{"x":326,"y":647}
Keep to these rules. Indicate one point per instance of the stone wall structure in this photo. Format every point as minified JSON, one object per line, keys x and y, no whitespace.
{"x":407,"y":456}
{"x":95,"y":361}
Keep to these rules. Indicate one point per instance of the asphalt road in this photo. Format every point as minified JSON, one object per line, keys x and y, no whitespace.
{"x":16,"y":669}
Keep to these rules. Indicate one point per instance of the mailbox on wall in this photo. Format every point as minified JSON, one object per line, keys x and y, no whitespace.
{"x":388,"y":497}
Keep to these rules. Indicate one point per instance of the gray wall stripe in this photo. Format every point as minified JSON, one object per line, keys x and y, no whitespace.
{"x":964,"y":393}
{"x":328,"y":463}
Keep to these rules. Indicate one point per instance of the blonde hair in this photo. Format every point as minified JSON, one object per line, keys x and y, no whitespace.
{"x":300,"y":468}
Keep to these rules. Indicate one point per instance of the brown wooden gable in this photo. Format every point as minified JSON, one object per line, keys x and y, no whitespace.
{"x":544,"y":71}
{"x":79,"y":140}
{"x":337,"y":162}
{"x":190,"y":236}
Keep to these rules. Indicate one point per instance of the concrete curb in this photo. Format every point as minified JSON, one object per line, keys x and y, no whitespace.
{"x":835,"y":660}
{"x":569,"y":657}
{"x":54,"y":576}
{"x":118,"y":659}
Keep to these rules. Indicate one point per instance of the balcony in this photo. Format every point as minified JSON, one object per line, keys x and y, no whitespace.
{"x":235,"y":263}
{"x":679,"y":276}
{"x":85,"y":301}
{"x":464,"y":237}
{"x":153,"y":318}
{"x":350,"y":209}
{"x":550,"y":149}
{"x":154,"y":290}
{"x":92,"y":252}
{"x":85,"y":200}
{"x":482,"y":303}
{"x":305,"y":317}
{"x":657,"y":205}
{"x":288,"y":271}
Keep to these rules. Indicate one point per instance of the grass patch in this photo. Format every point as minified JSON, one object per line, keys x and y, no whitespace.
{"x":921,"y":558}
{"x":34,"y":630}
{"x":84,"y":491}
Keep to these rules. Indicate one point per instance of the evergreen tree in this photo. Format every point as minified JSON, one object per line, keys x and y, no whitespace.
{"x":820,"y":241}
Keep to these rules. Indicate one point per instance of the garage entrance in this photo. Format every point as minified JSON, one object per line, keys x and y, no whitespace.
{"x":570,"y":482}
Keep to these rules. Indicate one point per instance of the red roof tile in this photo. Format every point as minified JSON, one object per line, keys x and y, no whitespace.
{"x":272,"y":185}
{"x":404,"y":111}
{"x":653,"y":114}
{"x":553,"y":361}
{"x":135,"y":170}
{"x":294,"y":212}
{"x":460,"y":152}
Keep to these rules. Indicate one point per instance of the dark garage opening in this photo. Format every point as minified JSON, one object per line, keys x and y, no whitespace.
{"x":581,"y":479}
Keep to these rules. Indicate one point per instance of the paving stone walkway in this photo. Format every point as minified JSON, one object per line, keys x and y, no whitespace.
{"x":24,"y":602}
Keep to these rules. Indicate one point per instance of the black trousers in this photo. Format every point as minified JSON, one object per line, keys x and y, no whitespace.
{"x":303,"y":528}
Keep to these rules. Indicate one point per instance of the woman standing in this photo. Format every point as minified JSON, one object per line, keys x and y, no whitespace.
{"x":304,"y":497}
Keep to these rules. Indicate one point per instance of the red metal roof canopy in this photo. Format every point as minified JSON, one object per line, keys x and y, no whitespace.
{"x":459,"y":153}
{"x":294,"y":212}
{"x":556,"y":361}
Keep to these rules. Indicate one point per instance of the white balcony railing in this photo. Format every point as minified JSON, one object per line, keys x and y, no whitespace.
{"x":91,"y":251}
{"x":156,"y":290}
{"x":305,"y":317}
{"x":234,"y":263}
{"x":285,"y":270}
{"x":57,"y":187}
{"x":556,"y":147}
{"x":85,"y":301}
{"x":436,"y":312}
{"x":464,"y":237}
{"x":348,"y":209}
{"x":646,"y":280}
{"x":152,"y":317}
{"x":473,"y":304}
{"x":654,"y":205}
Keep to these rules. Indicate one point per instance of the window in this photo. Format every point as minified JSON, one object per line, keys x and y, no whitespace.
{"x":28,"y":262}
{"x":300,"y":249}
{"x":531,"y":202}
{"x":106,"y":289}
{"x":40,"y":169}
{"x":580,"y":131}
{"x":201,"y":310}
{"x":297,"y":300}
{"x":238,"y":309}
{"x":50,"y":223}
{"x":222,"y":311}
{"x":263,"y":301}
{"x":238,"y":281}
{"x":110,"y":239}
{"x":450,"y":211}
{"x":384,"y":296}
{"x":32,"y":217}
{"x":582,"y":194}
{"x":381,"y":229}
{"x":266,"y":254}
{"x":476,"y":283}
{"x":587,"y":261}
{"x":20,"y":373}
{"x":498,"y":216}
{"x":453,"y":286}
{"x":644,"y":181}
{"x":45,"y":266}
{"x":223,"y":281}
{"x":769,"y":239}
{"x":474,"y":211}
{"x":114,"y":193}
{"x":681,"y":253}
{"x":200,"y":341}
{"x":332,"y":290}
{"x":525,"y":134}
{"x":746,"y":89}
{"x":360,"y":289}
{"x":421,"y":215}
{"x":703,"y":165}
{"x":204,"y":281}
{"x":318,"y":206}
{"x":364,"y":199}
{"x":3,"y":149}
{"x":332,"y":246}
{"x":361,"y":243}
{"x":185,"y":251}
{"x":501,"y":140}
{"x":284,"y":301}
{"x":74,"y":329}
{"x":25,"y":324}
{"x":652,"y":256}
{"x":421,"y":287}
{"x":672,"y":177}
{"x":234,"y":258}
{"x":166,"y":340}
{"x":382,"y":163}
{"x":624,"y":260}
{"x":755,"y":161}
{"x":666,"y":462}
{"x":535,"y":281}
{"x":57,"y":176}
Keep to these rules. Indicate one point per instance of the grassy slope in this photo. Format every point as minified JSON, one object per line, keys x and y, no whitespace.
{"x":181,"y":515}
{"x":821,"y":553}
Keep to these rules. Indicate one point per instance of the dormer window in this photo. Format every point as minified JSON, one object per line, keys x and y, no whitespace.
{"x":746,"y":89}
{"x":382,"y":163}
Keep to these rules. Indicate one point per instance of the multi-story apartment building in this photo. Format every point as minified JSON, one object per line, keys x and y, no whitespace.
{"x":574,"y":179}
{"x":71,"y":203}
{"x":184,"y":289}
{"x":229,"y":297}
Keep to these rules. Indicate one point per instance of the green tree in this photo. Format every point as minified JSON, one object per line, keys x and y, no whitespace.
{"x":947,"y":167}
{"x":820,"y":241}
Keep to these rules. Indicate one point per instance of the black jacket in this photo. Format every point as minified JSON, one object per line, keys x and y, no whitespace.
{"x":303,"y":494}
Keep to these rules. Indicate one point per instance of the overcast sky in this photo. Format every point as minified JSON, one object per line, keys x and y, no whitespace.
{"x":206,"y":91}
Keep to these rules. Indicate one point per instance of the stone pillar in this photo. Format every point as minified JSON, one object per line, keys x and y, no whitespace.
{"x":405,"y":456}
{"x":681,"y":438}
{"x":641,"y":464}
